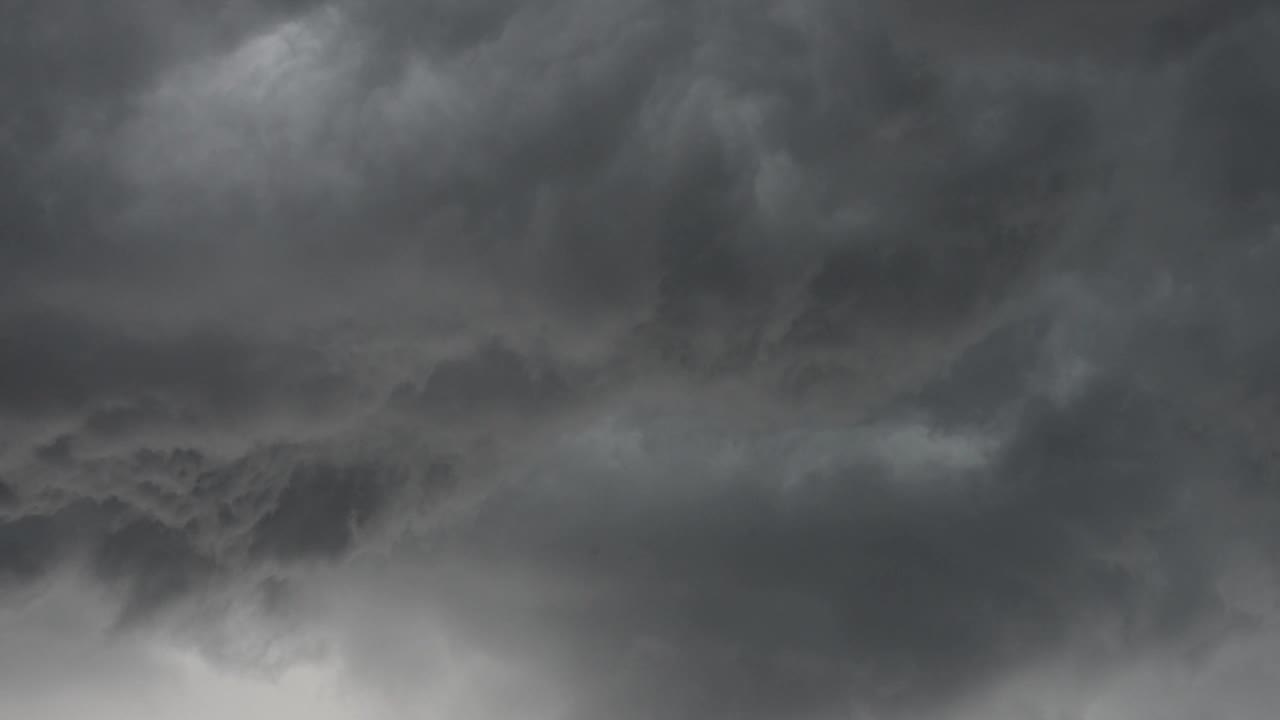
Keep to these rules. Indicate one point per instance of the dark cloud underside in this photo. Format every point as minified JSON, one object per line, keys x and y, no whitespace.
{"x":706,"y":359}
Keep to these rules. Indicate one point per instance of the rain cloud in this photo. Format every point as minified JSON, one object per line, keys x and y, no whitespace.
{"x":639,"y":359}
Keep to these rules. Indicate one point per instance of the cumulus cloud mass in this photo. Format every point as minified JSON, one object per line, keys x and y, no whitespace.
{"x":639,"y":359}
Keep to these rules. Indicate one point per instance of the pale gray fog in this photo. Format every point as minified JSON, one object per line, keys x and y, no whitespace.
{"x":639,"y":359}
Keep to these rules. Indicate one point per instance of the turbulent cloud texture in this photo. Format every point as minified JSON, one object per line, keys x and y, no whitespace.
{"x":639,"y":359}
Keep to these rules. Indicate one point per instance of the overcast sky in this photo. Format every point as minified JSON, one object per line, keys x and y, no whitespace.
{"x":639,"y":359}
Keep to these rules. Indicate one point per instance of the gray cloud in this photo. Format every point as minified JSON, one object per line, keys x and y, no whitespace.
{"x":695,"y":360}
{"x":1154,"y":31}
{"x":856,"y":582}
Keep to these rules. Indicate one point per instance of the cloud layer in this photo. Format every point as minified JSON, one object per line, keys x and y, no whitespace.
{"x":640,"y":359}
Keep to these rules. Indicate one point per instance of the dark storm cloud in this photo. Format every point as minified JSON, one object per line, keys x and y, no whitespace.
{"x":853,"y":584}
{"x":1142,"y":30}
{"x":591,"y":175}
{"x":1232,"y":100}
{"x":321,"y":511}
{"x":155,"y":562}
{"x":489,"y":380}
{"x":52,"y":363}
{"x":944,"y":316}
{"x":28,"y":545}
{"x":159,"y":526}
{"x":684,"y":204}
{"x":71,"y":65}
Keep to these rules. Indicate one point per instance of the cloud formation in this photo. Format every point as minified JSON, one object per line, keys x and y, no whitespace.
{"x":640,"y":359}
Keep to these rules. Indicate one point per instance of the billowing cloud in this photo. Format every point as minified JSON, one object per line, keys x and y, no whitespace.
{"x":638,"y":359}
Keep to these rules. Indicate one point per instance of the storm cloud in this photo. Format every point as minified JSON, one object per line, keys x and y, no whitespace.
{"x":636,"y":359}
